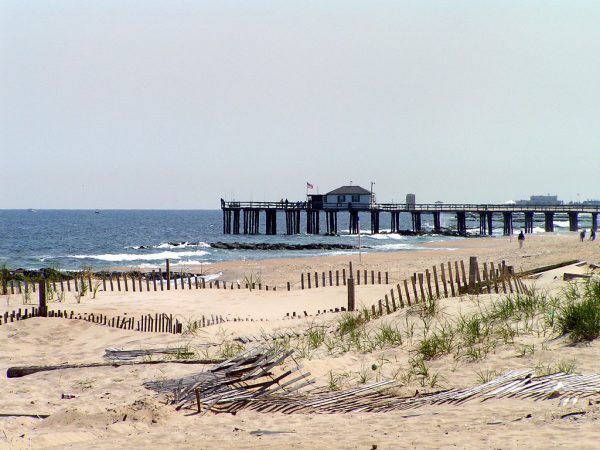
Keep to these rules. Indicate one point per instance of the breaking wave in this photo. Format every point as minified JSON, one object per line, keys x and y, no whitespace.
{"x":140,"y":256}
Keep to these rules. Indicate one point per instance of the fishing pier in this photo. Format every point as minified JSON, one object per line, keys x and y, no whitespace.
{"x":244,"y":217}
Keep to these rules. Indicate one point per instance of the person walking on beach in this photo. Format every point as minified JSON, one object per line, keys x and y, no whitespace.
{"x":592,"y":234}
{"x":521,"y":239}
{"x":582,"y":235}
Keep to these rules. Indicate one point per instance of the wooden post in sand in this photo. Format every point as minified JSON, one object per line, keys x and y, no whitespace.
{"x":472,"y":273}
{"x":168,"y":276}
{"x":350,"y":284}
{"x":351,"y":300}
{"x":43,"y":307}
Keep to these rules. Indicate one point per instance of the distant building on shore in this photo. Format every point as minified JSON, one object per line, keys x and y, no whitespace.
{"x":541,"y":200}
{"x":591,"y":202}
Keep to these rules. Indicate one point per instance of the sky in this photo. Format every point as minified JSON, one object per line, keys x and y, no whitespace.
{"x":176,"y":104}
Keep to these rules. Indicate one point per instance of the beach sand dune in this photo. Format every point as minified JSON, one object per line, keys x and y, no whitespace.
{"x":110,"y":408}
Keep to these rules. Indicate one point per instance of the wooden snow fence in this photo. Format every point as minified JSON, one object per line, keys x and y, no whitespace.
{"x":310,"y":280}
{"x":82,"y":284}
{"x":443,"y":281}
{"x":446,"y":281}
{"x":151,"y":323}
{"x":20,"y":314}
{"x":246,"y":382}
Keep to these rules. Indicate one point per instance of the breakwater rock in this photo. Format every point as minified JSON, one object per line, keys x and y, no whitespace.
{"x":280,"y":246}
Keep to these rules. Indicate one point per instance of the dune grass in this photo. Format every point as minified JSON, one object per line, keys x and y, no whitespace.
{"x":580,"y":315}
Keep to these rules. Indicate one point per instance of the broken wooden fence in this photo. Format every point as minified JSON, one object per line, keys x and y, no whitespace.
{"x":229,"y":386}
{"x":265,"y":380}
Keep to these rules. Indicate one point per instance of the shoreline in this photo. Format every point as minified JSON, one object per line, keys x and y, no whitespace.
{"x":539,"y":250}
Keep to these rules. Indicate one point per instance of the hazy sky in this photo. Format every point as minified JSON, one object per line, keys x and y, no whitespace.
{"x":174,"y":104}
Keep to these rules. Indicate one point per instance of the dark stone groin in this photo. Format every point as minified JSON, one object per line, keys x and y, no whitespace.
{"x":51,"y":274}
{"x":280,"y":246}
{"x":47,"y":273}
{"x":444,"y":232}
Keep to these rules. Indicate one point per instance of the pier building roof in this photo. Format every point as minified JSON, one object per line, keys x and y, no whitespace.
{"x":349,"y":190}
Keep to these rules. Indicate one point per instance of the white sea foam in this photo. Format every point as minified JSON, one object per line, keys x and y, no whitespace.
{"x":339,"y":253}
{"x":394,"y":247}
{"x":140,"y":257}
{"x":183,"y":245}
{"x":383,"y":237}
{"x":167,"y":245}
{"x":189,"y":262}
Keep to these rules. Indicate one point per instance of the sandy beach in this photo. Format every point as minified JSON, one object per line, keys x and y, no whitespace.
{"x":110,"y":408}
{"x":539,"y":250}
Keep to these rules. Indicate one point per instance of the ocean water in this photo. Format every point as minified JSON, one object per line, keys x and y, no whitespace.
{"x":74,"y":239}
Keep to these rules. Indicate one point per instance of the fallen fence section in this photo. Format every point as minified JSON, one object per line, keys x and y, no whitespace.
{"x":248,"y":381}
{"x":227,"y":387}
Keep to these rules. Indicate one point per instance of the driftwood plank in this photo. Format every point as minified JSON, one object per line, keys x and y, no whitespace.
{"x":21,"y":371}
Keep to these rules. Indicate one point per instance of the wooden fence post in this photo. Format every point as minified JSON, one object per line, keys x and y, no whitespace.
{"x":462,"y":269}
{"x":421,"y":287}
{"x":414,"y":285}
{"x":400,"y":295}
{"x":429,"y":290}
{"x":168,"y":276}
{"x":407,"y":292}
{"x":472,"y":273}
{"x":451,"y":279}
{"x":351,"y":299}
{"x":437,"y":286}
{"x":444,"y":280}
{"x":393,"y":299}
{"x":43,"y":306}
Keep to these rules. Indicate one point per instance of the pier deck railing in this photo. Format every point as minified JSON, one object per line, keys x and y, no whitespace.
{"x":419,"y":207}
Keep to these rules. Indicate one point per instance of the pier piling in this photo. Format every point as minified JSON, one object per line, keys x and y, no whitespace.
{"x":529,"y":221}
{"x":549,"y":221}
{"x":437,"y":223}
{"x":508,"y":224}
{"x":573,"y":221}
{"x":461,"y":222}
{"x":416,"y":221}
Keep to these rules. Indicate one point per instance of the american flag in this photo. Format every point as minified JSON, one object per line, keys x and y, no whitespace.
{"x":309,"y":186}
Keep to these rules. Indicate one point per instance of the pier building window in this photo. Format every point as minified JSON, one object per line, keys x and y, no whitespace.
{"x":341,"y":198}
{"x":356,"y":198}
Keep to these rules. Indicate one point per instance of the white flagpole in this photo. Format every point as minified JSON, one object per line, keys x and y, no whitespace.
{"x":359,"y":252}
